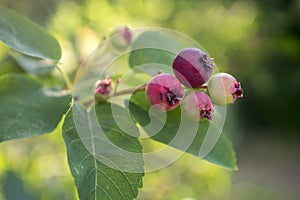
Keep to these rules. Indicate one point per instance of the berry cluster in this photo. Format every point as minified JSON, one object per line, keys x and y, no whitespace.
{"x":192,"y":68}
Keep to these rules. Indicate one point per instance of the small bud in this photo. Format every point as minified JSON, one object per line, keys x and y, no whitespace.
{"x":118,"y":80}
{"x":198,"y":106}
{"x":224,"y":89}
{"x":103,"y":89}
{"x":120,"y":37}
{"x":164,"y":92}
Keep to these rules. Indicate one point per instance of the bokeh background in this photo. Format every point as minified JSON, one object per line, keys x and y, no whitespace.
{"x":257,"y":41}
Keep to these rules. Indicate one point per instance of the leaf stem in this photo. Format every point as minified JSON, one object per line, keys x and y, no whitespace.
{"x":65,"y":77}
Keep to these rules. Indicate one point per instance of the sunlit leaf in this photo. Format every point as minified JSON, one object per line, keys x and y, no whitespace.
{"x":26,"y":37}
{"x":34,"y":65}
{"x":93,"y":178}
{"x":27,"y":109}
{"x":222,"y":152}
{"x":152,"y":47}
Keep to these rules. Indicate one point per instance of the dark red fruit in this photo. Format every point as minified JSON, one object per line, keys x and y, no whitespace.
{"x":192,"y":67}
{"x":164,"y":91}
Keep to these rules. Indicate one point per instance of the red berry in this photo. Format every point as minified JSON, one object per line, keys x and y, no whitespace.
{"x":198,"y":106}
{"x":164,"y":91}
{"x":192,"y":67}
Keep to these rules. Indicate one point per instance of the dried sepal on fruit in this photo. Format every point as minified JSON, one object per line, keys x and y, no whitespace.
{"x":198,"y":106}
{"x":224,"y":89}
{"x":164,"y":92}
{"x":103,"y":89}
{"x":192,"y":67}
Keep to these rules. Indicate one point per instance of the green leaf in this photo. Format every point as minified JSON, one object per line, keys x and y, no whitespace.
{"x":13,"y":187}
{"x":27,"y":109}
{"x":87,"y":152}
{"x":34,"y":65}
{"x":222,"y":152}
{"x":153,"y":47}
{"x":22,"y":35}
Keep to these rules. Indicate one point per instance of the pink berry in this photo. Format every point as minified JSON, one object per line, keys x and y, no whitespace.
{"x":120,"y":37}
{"x":164,"y":91}
{"x":192,"y":67}
{"x":198,"y":106}
{"x":224,"y":89}
{"x":103,"y":89}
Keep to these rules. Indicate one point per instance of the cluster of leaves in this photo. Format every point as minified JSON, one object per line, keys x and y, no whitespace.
{"x":29,"y":109}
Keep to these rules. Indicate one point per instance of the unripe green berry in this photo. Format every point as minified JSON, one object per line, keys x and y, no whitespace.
{"x":224,"y":89}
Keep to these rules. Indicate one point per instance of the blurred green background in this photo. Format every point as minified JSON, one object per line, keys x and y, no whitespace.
{"x":257,"y":41}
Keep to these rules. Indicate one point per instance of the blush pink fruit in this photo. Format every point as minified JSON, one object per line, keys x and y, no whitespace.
{"x":120,"y":37}
{"x":104,"y":89}
{"x":164,"y":92}
{"x":192,"y":67}
{"x":198,"y":106}
{"x":224,"y":89}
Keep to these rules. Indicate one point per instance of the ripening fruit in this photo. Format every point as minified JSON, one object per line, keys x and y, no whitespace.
{"x":120,"y":37}
{"x":192,"y":67}
{"x":198,"y":106}
{"x":224,"y":89}
{"x":164,"y":91}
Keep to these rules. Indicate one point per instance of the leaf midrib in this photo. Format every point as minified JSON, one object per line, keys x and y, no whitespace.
{"x":96,"y":166}
{"x":94,"y":159}
{"x":22,"y":110}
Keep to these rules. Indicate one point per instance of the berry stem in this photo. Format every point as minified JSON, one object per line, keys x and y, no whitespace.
{"x":189,"y":90}
{"x":142,"y":88}
{"x":130,"y":90}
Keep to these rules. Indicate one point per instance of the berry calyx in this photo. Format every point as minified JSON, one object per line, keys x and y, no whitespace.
{"x":224,"y":89}
{"x":164,"y":91}
{"x":103,"y":89}
{"x":192,"y":67}
{"x":198,"y":106}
